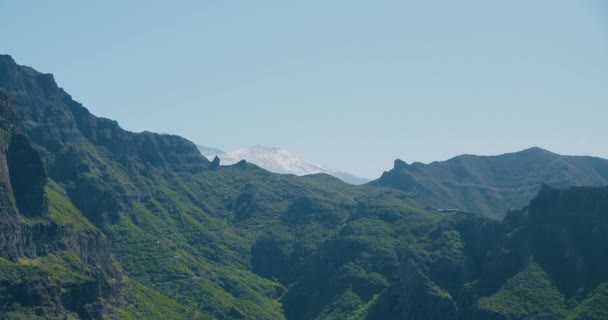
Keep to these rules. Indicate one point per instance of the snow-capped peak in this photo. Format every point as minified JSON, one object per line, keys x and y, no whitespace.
{"x":278,"y":160}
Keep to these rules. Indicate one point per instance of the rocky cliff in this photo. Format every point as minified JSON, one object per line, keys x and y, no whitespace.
{"x":33,"y":242}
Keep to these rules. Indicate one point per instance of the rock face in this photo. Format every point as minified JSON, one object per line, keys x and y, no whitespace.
{"x":23,"y":196}
{"x":77,"y":146}
{"x":27,"y":176}
{"x":568,"y":230}
{"x":492,"y":185}
{"x":526,"y":267}
{"x":215,"y":164}
{"x":414,"y":296}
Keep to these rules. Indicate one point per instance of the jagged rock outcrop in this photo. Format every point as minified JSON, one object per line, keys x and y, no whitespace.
{"x":215,"y":164}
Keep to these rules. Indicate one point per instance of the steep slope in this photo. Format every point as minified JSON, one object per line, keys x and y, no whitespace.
{"x":493,"y":184}
{"x":177,"y":224}
{"x":228,"y":241}
{"x":149,"y":194}
{"x":54,"y":263}
{"x":278,"y":160}
{"x":546,"y":261}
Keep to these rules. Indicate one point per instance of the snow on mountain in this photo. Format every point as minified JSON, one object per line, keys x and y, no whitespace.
{"x":277,"y":160}
{"x":209,"y":153}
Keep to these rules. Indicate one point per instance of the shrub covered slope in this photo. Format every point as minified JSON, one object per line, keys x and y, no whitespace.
{"x":101,"y":222}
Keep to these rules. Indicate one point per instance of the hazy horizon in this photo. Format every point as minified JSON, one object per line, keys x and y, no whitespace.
{"x":348,"y":85}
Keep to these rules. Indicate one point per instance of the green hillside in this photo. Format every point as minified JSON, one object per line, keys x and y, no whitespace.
{"x":100,"y":222}
{"x":492,"y":185}
{"x":54,"y":263}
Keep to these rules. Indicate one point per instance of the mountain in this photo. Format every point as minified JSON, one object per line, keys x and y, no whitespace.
{"x":493,"y":184}
{"x":144,"y":193}
{"x":54,"y":263}
{"x":188,"y":239}
{"x":545,"y":261}
{"x":278,"y":160}
{"x":99,"y":222}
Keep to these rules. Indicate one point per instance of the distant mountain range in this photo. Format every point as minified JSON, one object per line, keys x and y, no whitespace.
{"x":209,"y":153}
{"x":492,"y":185}
{"x":277,"y":160}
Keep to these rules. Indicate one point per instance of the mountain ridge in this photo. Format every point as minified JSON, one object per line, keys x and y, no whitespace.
{"x":184,"y":239}
{"x":278,"y":160}
{"x":493,"y":184}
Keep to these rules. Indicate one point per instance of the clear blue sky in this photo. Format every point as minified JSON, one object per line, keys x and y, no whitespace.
{"x":348,"y":84}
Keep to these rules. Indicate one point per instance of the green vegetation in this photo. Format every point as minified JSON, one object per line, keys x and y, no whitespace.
{"x":141,"y":226}
{"x":62,"y":211}
{"x":594,"y":306}
{"x":144,"y":303}
{"x":493,"y":185}
{"x":528,"y":295}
